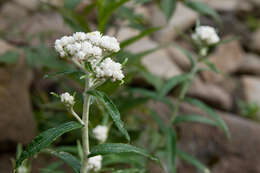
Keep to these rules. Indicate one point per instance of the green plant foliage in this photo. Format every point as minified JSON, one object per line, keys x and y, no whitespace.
{"x":142,"y":34}
{"x":71,"y":4}
{"x":53,"y":167}
{"x":248,"y":109}
{"x":171,"y":141}
{"x":72,"y":161}
{"x":190,"y":159}
{"x":171,"y":83}
{"x":9,"y":57}
{"x":211,"y":66}
{"x":194,"y":119}
{"x":45,"y":139}
{"x":116,"y":148}
{"x":220,"y":123}
{"x":168,"y":7}
{"x":111,"y":110}
{"x":203,"y":9}
{"x":187,"y":54}
{"x":106,"y":10}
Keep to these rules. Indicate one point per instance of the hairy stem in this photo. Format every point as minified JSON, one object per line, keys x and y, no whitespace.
{"x":85,"y":135}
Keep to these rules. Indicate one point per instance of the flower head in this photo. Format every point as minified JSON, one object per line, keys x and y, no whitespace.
{"x":67,"y":99}
{"x":100,"y":133}
{"x":95,"y":163}
{"x":109,"y":69}
{"x":110,"y":43}
{"x":206,"y":34}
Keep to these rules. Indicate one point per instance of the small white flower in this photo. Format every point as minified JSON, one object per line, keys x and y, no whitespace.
{"x":94,"y":37}
{"x":22,"y":169}
{"x":110,"y":43}
{"x":67,"y":99}
{"x":206,"y":34}
{"x":95,"y":163}
{"x":109,"y":69}
{"x":79,"y":36}
{"x":100,"y":133}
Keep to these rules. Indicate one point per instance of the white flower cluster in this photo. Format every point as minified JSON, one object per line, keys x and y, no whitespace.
{"x":92,"y":47}
{"x":109,"y":69}
{"x":67,"y":99}
{"x":100,"y":132}
{"x":95,"y":163}
{"x":206,"y":34}
{"x":22,"y":169}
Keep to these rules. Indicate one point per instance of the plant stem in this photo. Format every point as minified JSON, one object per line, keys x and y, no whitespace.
{"x":85,"y":136}
{"x":184,"y":89}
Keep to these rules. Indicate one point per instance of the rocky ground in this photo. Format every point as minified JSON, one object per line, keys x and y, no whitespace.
{"x":239,"y":62}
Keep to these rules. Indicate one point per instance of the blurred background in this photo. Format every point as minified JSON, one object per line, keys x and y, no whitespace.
{"x":30,"y":70}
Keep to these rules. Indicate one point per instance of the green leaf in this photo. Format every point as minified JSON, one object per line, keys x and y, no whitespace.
{"x":105,"y":12}
{"x":211,"y":66}
{"x":111,"y":110}
{"x":220,"y":123}
{"x":158,"y":120}
{"x":116,"y":148}
{"x":72,"y":161}
{"x":192,"y":160}
{"x":61,"y":73}
{"x":203,"y":9}
{"x":131,"y":170}
{"x":171,"y":83}
{"x":194,"y":118}
{"x":76,"y":21}
{"x":187,"y":54}
{"x":168,"y":7}
{"x":53,"y":167}
{"x":9,"y":57}
{"x":156,"y":81}
{"x":152,"y":95}
{"x":71,"y":4}
{"x":144,"y":33}
{"x":142,"y":1}
{"x":45,"y":139}
{"x":171,"y":141}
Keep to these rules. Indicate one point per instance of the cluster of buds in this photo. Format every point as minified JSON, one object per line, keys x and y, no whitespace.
{"x":67,"y":99}
{"x":92,"y":48}
{"x":95,"y":163}
{"x":100,"y":132}
{"x":205,"y":37}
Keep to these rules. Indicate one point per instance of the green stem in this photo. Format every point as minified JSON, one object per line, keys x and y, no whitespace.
{"x":184,"y":89}
{"x":85,"y":134}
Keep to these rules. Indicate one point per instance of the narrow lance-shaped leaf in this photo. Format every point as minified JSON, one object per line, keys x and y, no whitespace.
{"x":194,"y":118}
{"x":69,"y":159}
{"x":192,"y":160}
{"x":138,"y":37}
{"x":116,"y":148}
{"x":203,"y":9}
{"x":211,"y":66}
{"x":168,"y":7}
{"x":71,"y":4}
{"x":171,"y":83}
{"x":152,"y":95}
{"x":221,"y":124}
{"x":45,"y":139}
{"x":171,"y":149}
{"x":187,"y":54}
{"x":106,"y":12}
{"x":111,"y":110}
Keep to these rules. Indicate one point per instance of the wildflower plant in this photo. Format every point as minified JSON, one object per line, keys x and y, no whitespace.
{"x":88,"y":52}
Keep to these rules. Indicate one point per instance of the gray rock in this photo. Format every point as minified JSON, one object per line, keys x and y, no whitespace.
{"x":227,"y":58}
{"x":159,"y":62}
{"x":250,"y":65}
{"x":182,"y":20}
{"x":255,"y":41}
{"x":16,"y":118}
{"x":211,"y":93}
{"x":251,"y":90}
